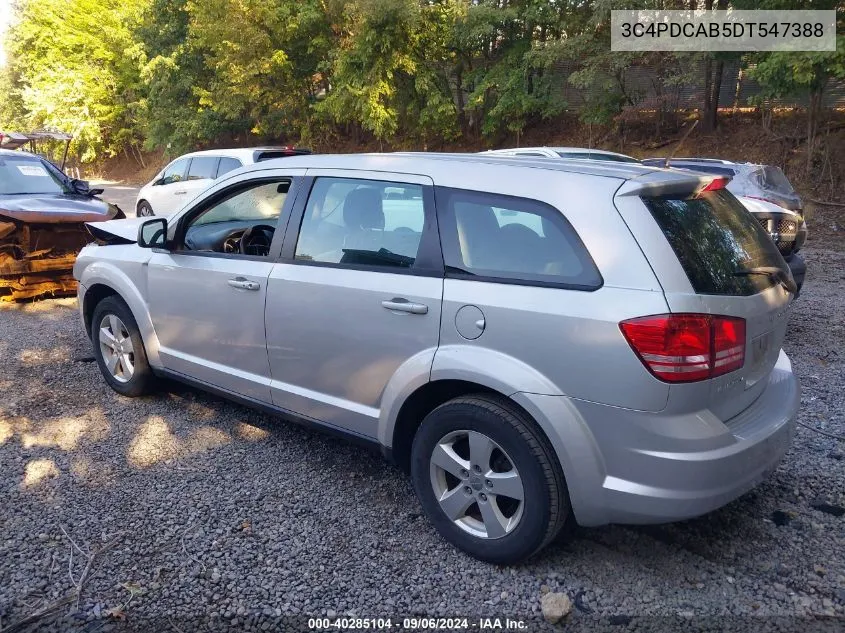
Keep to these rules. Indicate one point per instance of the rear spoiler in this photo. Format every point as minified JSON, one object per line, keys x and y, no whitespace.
{"x":269,"y":153}
{"x":657,"y":184}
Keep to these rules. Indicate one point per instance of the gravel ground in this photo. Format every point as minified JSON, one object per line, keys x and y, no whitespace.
{"x":192,"y":513}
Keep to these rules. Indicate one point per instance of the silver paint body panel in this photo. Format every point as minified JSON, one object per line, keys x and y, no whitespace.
{"x":315,"y":340}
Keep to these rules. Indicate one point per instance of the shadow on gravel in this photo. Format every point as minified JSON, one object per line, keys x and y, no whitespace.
{"x":219,"y":508}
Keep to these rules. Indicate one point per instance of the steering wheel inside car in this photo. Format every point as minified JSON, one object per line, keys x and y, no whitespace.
{"x":256,"y":240}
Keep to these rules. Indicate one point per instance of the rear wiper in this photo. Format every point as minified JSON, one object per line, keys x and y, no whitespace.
{"x":772,"y":272}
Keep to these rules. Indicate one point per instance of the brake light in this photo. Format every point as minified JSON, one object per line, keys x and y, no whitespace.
{"x":714,"y":185}
{"x":687,"y":347}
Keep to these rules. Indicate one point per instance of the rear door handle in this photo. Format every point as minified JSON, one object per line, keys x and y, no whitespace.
{"x":179,"y":193}
{"x":244,"y":284}
{"x":397,"y":304}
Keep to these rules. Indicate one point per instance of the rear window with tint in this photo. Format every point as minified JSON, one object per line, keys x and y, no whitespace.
{"x":715,"y":237}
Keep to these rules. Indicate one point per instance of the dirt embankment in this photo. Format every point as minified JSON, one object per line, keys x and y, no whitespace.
{"x":779,"y":139}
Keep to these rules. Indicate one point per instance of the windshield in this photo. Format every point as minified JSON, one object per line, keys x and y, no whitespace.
{"x":28,"y":175}
{"x":718,"y":242}
{"x":773,"y":179}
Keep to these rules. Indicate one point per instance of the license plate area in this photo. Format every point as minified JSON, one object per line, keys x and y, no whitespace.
{"x":760,"y":351}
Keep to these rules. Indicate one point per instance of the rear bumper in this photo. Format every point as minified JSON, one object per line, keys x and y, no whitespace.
{"x":644,"y":468}
{"x":799,"y":269}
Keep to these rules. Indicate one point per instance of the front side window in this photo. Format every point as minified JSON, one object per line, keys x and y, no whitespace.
{"x":243,"y":222}
{"x":28,"y":175}
{"x":362,"y":222}
{"x":175,"y":172}
{"x":508,"y":238}
{"x":202,"y":168}
{"x":263,"y":202}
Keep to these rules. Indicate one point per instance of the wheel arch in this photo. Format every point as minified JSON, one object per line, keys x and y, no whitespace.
{"x":419,"y":404}
{"x":480,"y":371}
{"x":141,"y":201}
{"x":93,"y":296}
{"x":102,"y":279}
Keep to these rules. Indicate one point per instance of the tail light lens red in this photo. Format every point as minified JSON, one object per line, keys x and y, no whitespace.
{"x":687,"y":347}
{"x":720,"y":182}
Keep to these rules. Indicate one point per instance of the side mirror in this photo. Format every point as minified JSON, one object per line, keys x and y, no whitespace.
{"x":153,"y":233}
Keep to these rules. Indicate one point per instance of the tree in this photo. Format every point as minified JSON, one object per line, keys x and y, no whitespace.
{"x":714,"y":66}
{"x":75,"y":67}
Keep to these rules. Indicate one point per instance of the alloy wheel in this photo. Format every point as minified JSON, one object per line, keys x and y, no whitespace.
{"x":477,"y":484}
{"x":116,"y":348}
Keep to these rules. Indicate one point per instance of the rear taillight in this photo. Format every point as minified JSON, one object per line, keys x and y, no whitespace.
{"x":687,"y":347}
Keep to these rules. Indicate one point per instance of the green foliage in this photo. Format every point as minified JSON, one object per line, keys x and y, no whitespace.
{"x":787,"y":74}
{"x":182,"y":74}
{"x":75,"y":66}
{"x":791,"y":74}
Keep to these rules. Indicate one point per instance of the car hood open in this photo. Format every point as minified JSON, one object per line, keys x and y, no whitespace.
{"x":125,"y":230}
{"x":55,"y":208}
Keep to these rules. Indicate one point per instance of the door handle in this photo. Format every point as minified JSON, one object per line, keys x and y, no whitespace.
{"x":403,"y":305}
{"x":244,"y":284}
{"x":179,"y":193}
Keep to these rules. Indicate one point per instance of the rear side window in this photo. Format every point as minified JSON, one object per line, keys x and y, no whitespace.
{"x":715,"y":239}
{"x":202,"y":167}
{"x":227,"y":165}
{"x":506,"y":238}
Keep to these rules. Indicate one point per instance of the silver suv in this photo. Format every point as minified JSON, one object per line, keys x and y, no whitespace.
{"x":536,"y":341}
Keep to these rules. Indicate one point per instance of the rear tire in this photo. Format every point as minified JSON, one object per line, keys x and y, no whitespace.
{"x":472,"y":458}
{"x":144,"y":209}
{"x":119,"y":349}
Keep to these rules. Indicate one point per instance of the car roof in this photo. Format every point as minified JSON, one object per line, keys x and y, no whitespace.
{"x":574,"y":150}
{"x":445,"y":166}
{"x":242,"y":153}
{"x":709,"y":161}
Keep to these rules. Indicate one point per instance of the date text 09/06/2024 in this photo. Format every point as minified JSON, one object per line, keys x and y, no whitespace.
{"x":417,"y":624}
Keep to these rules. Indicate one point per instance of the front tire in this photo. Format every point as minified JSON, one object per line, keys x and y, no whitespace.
{"x":488,"y":479}
{"x":144,"y":209}
{"x":119,"y":348}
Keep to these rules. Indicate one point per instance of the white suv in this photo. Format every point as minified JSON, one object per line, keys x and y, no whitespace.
{"x":188,"y":175}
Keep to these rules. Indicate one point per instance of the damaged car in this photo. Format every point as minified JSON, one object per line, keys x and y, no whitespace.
{"x":42,"y":225}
